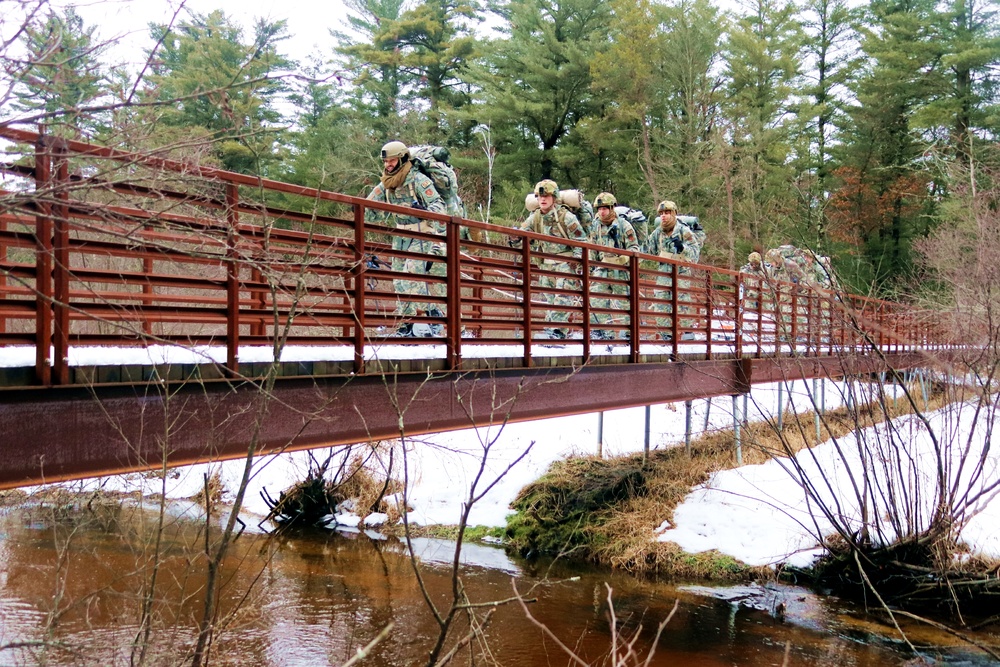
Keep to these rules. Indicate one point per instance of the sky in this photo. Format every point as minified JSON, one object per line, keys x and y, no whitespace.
{"x":126,"y":22}
{"x":757,"y":513}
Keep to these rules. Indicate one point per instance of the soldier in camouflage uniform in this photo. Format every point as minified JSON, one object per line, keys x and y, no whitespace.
{"x":614,"y":231}
{"x":675,"y":241}
{"x":403,"y":185}
{"x":556,"y":221}
{"x":754,"y":274}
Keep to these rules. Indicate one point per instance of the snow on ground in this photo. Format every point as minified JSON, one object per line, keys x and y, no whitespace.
{"x":757,"y":514}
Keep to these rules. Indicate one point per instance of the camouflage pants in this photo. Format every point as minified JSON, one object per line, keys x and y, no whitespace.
{"x":567,"y":280}
{"x":417,"y":266}
{"x":668,"y":307}
{"x":598,"y":300}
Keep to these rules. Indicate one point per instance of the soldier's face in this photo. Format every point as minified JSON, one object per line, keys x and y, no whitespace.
{"x":605,"y":214}
{"x":546,"y":202}
{"x":668,"y":219}
{"x":390,"y":164}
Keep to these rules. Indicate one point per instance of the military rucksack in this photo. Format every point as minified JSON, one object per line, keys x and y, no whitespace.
{"x":433,"y":161}
{"x":638,"y":220}
{"x":580,"y":207}
{"x":574,"y":201}
{"x":692,"y":223}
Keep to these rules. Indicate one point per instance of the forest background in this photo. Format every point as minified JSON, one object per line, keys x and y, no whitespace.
{"x":853,"y":129}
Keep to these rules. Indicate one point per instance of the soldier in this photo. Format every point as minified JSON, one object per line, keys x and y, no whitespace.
{"x":404,"y":186}
{"x":614,"y":231}
{"x":675,"y":241}
{"x":754,"y":274}
{"x":558,"y":221}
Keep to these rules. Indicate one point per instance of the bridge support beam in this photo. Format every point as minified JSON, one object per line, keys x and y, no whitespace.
{"x":57,"y":434}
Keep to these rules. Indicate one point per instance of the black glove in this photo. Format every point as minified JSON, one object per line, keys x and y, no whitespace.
{"x":613,"y":235}
{"x":373,"y":262}
{"x":417,"y":204}
{"x":678,"y":245}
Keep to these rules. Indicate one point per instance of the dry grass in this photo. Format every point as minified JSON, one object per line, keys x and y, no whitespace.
{"x":622,"y":534}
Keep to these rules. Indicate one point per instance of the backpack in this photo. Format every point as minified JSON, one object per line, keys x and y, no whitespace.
{"x":432,"y":161}
{"x":638,"y":220}
{"x":580,"y":207}
{"x":692,"y":223}
{"x":800,"y":265}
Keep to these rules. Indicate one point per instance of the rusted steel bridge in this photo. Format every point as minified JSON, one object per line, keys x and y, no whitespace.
{"x":273,"y":311}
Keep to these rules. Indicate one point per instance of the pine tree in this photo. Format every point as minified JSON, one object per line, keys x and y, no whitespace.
{"x":880,"y":204}
{"x":60,"y":74}
{"x":223,"y":86}
{"x":534,"y":85}
{"x":762,"y":56}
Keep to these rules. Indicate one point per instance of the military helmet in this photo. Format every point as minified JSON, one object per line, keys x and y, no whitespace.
{"x":666,"y":205}
{"x":754,"y":258}
{"x":546,"y":187}
{"x":395,"y":149}
{"x":605,"y":199}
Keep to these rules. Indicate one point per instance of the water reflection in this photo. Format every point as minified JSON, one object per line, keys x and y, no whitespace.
{"x":75,"y":585}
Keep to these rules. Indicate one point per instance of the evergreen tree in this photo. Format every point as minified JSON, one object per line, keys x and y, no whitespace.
{"x":60,"y":74}
{"x":762,"y":56}
{"x":968,"y":104}
{"x":222,"y":85}
{"x":534,"y":85}
{"x":689,"y":96}
{"x":880,"y":204}
{"x":625,"y":83}
{"x":830,"y":49}
{"x":377,"y":76}
{"x":433,"y":48}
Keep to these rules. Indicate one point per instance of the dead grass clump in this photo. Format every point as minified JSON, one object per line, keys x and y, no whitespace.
{"x":211,"y":492}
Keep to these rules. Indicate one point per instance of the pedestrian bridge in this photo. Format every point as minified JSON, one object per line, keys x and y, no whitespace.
{"x":152,"y":309}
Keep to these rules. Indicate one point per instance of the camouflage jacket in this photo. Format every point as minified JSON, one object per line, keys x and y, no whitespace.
{"x":561,"y":223}
{"x":681,"y":245}
{"x":619,"y":234}
{"x":416,"y":188}
{"x":799,"y":265}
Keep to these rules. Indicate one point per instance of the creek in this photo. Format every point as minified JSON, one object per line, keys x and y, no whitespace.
{"x":72,"y":586}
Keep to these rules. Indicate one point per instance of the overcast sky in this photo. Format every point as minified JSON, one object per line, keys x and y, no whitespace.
{"x":127,"y":22}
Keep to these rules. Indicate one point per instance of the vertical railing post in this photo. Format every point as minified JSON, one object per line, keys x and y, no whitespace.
{"x":674,"y":306}
{"x":147,"y":293}
{"x":60,"y":267}
{"x":357,"y":274}
{"x":634,"y":321}
{"x":232,"y":280}
{"x":453,"y":341}
{"x":793,"y":332}
{"x":43,"y":264}
{"x":709,"y":305}
{"x":585,"y":288}
{"x":738,"y":301}
{"x":3,"y":276}
{"x":526,"y":309}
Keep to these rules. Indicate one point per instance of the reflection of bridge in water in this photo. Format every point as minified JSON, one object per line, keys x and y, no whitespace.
{"x":106,"y":257}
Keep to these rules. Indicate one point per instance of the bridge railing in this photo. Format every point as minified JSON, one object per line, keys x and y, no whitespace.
{"x":104,"y":247}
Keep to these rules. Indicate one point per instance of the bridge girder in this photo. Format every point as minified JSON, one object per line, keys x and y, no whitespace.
{"x":59,"y":434}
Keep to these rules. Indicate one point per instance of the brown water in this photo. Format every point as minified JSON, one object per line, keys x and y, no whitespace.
{"x":73,"y":582}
